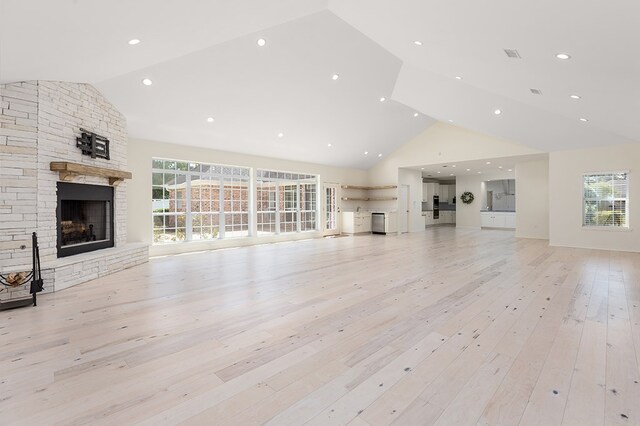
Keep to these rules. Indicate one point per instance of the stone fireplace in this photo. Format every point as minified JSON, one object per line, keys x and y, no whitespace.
{"x":80,"y":218}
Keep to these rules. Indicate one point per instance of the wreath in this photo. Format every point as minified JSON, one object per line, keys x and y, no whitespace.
{"x":467,"y":197}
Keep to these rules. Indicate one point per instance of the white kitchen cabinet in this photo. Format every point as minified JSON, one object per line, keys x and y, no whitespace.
{"x":445,"y":218}
{"x":428,"y":218}
{"x":431,"y":189}
{"x":498,"y":220}
{"x":449,"y":216}
{"x":444,"y":193}
{"x":486,"y":219}
{"x":510,"y":220}
{"x":356,"y":222}
{"x":390,"y":222}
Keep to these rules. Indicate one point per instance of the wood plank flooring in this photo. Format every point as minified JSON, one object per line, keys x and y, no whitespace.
{"x":443,"y":327}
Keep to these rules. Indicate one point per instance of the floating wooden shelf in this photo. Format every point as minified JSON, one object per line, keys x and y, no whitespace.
{"x":69,"y":171}
{"x":369,"y":199}
{"x":367,"y":188}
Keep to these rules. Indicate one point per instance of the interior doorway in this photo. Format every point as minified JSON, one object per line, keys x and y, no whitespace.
{"x":331,"y":214}
{"x":404,"y":208}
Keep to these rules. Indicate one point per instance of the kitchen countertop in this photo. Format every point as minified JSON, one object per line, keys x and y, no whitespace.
{"x":497,"y":211}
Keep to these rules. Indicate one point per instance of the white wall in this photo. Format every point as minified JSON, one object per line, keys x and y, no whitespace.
{"x":565,"y":198}
{"x":532,"y":199}
{"x":468,"y":215}
{"x":139,"y":194}
{"x":412,"y":178}
{"x":442,"y":143}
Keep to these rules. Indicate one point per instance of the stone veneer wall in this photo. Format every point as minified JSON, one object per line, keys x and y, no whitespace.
{"x":39,"y":123}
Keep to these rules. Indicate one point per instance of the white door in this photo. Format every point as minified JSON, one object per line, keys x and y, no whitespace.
{"x":403,"y":203}
{"x":331,"y":209}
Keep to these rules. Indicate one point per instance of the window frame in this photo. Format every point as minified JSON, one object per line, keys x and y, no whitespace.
{"x":294,"y":181}
{"x":217,"y":173}
{"x":612,"y":227}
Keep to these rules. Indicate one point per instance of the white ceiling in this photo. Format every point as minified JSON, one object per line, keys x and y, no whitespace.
{"x":204,"y":61}
{"x":491,"y":168}
{"x":467,"y":38}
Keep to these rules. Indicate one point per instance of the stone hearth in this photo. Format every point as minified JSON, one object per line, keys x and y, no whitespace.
{"x":39,"y":123}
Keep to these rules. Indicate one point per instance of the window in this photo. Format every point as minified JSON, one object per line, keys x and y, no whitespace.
{"x":286,"y":202}
{"x":193,"y":201}
{"x":606,"y":200}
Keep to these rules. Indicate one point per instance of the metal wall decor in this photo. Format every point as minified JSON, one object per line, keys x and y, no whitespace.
{"x":93,"y":144}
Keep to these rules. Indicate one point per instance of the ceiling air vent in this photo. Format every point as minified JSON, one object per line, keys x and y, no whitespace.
{"x":512,"y":53}
{"x":536,"y":91}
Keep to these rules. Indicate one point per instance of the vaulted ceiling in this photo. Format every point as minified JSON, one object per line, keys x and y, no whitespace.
{"x":280,"y":99}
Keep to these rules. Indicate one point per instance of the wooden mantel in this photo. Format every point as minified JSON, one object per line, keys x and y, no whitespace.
{"x":69,"y":171}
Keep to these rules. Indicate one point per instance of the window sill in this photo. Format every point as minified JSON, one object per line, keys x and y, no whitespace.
{"x":606,"y":228}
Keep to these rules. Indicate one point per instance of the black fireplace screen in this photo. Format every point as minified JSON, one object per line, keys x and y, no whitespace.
{"x":85,"y":218}
{"x":84,"y":221}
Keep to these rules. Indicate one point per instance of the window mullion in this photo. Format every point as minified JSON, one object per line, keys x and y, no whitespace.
{"x":188,"y":221}
{"x":277,"y":183}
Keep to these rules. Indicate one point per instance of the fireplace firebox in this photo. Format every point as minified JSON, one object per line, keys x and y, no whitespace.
{"x":84,"y":217}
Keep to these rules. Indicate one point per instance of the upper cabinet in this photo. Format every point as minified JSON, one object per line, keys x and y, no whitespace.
{"x":429,"y":190}
{"x":444,"y":193}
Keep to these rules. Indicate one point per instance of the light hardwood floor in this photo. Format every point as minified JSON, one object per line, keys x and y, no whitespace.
{"x":443,"y":327}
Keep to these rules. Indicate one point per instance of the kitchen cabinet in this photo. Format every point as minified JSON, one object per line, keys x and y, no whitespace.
{"x":444,"y":193}
{"x":428,"y":218}
{"x":510,"y":220}
{"x":429,"y":190}
{"x":445,"y":217}
{"x":356,"y":222}
{"x":390,"y":222}
{"x":498,"y":220}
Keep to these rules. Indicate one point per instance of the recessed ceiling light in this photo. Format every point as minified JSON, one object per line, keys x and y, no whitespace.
{"x":415,"y":114}
{"x":366,"y":153}
{"x":450,"y":121}
{"x":422,"y":168}
{"x":382,"y":99}
{"x":261,"y":42}
{"x":563,"y":56}
{"x":468,"y":170}
{"x":497,"y":111}
{"x":417,"y":43}
{"x":280,"y":135}
{"x":210,"y":120}
{"x":584,"y":120}
{"x":499,"y":167}
{"x":479,"y":173}
{"x":134,"y":41}
{"x":574,"y":97}
{"x":329,"y":145}
{"x":488,"y":162}
{"x":510,"y":170}
{"x":379,"y":155}
{"x":147,"y":81}
{"x":458,"y":77}
{"x":453,"y":165}
{"x":335,"y":77}
{"x":451,"y":174}
{"x":438,"y":172}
